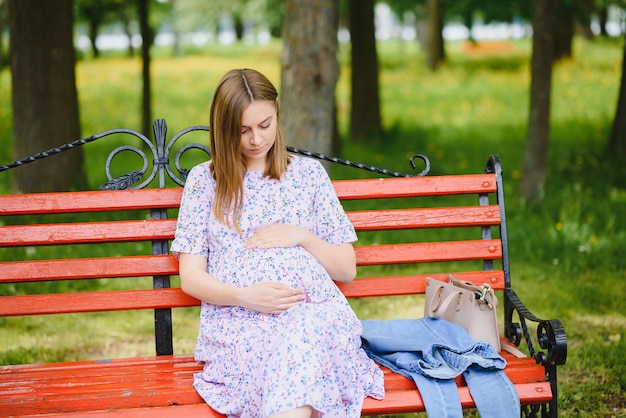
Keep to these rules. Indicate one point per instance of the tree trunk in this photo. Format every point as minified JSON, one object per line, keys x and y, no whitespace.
{"x":146,"y":43}
{"x":421,"y":26}
{"x":603,"y":17}
{"x":4,"y":59}
{"x":126,"y":23}
{"x":536,"y":154}
{"x":93,"y":37}
{"x":468,"y":21}
{"x":582,"y":25}
{"x":365,"y":111}
{"x":177,"y":50}
{"x":617,"y":142}
{"x":45,"y":103}
{"x":336,"y":148}
{"x":435,"y":49}
{"x":309,"y":73}
{"x":239,"y":28}
{"x":564,"y":31}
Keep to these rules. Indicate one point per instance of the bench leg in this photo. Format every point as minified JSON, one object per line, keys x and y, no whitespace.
{"x":547,"y":410}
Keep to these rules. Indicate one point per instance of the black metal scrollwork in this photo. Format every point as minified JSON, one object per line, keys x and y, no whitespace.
{"x":365,"y":166}
{"x":160,"y":158}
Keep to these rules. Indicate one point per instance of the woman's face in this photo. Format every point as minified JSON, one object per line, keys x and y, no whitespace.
{"x":258,"y":133}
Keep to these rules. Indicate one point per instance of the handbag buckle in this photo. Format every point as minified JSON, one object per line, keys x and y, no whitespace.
{"x":481,"y":294}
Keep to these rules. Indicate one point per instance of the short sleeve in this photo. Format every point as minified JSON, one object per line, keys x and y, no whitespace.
{"x":332,"y":222}
{"x":192,"y":232}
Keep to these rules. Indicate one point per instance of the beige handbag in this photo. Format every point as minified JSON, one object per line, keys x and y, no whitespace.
{"x":465,"y":304}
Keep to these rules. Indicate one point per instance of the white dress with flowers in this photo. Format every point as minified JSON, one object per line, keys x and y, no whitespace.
{"x":255,"y":364}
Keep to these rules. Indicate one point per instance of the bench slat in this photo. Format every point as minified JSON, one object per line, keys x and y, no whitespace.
{"x":83,"y":367}
{"x":177,"y":391}
{"x":414,"y":284}
{"x":116,"y":300}
{"x":87,"y":268}
{"x":415,"y":186}
{"x":181,"y":411}
{"x":428,"y":252}
{"x":396,"y":402}
{"x":104,"y":200}
{"x":425,"y":218}
{"x":87,"y":232}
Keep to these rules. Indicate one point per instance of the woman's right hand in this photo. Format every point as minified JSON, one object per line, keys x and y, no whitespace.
{"x":270,"y":298}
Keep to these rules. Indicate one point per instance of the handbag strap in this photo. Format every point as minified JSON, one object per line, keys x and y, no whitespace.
{"x":483,"y":293}
{"x":435,"y":300}
{"x":442,"y":306}
{"x":513,"y":350}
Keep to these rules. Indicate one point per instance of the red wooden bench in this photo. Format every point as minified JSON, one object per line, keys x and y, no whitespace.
{"x":406,"y":237}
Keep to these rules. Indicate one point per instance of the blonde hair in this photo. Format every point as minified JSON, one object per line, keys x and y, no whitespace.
{"x":235,"y":91}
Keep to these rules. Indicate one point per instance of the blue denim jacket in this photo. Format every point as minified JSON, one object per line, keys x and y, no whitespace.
{"x":433,"y":352}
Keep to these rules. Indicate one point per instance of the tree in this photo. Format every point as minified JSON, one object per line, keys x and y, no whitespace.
{"x":583,"y":23}
{"x":435,"y":48}
{"x":603,"y":18}
{"x":45,"y":103}
{"x":617,"y":141}
{"x":146,"y":42}
{"x":488,"y":10}
{"x":96,"y":13}
{"x":428,"y":26}
{"x":309,"y":73}
{"x":538,"y":135}
{"x":274,"y":17}
{"x":3,"y":23}
{"x":125,"y":14}
{"x":563,"y":30}
{"x":365,"y":112}
{"x":204,"y":15}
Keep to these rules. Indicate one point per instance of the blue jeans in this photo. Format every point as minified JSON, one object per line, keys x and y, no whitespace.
{"x":433,"y":352}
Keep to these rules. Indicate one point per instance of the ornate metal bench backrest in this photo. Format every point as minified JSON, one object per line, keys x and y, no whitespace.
{"x":162,"y":152}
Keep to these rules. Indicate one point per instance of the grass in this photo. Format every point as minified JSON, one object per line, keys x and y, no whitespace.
{"x":567,"y":253}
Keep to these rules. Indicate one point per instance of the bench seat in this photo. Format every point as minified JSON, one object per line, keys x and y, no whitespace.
{"x":152,"y":385}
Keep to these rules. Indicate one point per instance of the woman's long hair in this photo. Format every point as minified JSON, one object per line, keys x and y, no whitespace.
{"x":236,"y":90}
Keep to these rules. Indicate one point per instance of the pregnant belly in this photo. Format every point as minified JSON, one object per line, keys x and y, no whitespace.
{"x":284,"y":265}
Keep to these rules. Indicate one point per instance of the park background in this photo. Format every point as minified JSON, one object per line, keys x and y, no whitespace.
{"x":567,"y":249}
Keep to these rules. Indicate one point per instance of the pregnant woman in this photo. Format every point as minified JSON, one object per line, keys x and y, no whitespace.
{"x":261,"y":239}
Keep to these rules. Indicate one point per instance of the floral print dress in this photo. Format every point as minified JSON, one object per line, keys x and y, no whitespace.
{"x":255,"y":364}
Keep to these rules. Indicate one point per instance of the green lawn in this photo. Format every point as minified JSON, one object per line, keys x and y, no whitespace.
{"x":568,"y":257}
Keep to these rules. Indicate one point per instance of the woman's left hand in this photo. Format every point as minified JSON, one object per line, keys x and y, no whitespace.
{"x":338,"y":260}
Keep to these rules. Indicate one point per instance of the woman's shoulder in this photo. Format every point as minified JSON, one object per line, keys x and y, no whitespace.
{"x":305,"y":165}
{"x":200,"y":173}
{"x":202,"y":169}
{"x":306,"y":172}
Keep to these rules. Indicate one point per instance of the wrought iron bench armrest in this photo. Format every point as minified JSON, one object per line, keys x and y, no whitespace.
{"x":550,"y":333}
